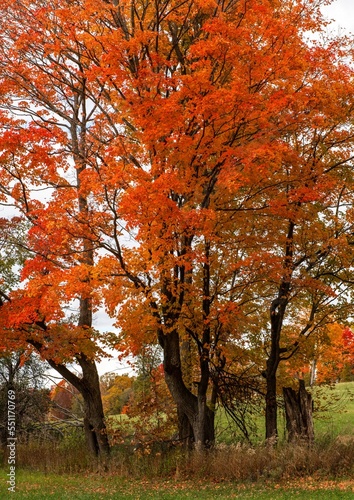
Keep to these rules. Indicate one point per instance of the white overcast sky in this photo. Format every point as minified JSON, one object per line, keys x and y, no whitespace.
{"x":342,"y":11}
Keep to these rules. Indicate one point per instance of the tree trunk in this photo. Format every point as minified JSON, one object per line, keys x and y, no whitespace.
{"x":313,"y":372}
{"x":185,"y":430}
{"x":203,"y":428}
{"x":89,"y":387}
{"x":277,"y":313}
{"x":94,"y":424}
{"x":271,"y":405}
{"x":271,"y":413}
{"x":298,"y":413}
{"x":193,"y":408}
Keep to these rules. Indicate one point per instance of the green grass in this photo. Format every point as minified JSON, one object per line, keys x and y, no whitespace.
{"x":333,"y":417}
{"x":337,"y":415}
{"x":39,"y":486}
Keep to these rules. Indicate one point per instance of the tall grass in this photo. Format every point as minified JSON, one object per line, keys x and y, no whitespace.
{"x":327,"y":459}
{"x":243,"y":463}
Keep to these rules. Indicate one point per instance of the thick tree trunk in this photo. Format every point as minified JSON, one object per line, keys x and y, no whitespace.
{"x":204,"y":428}
{"x":191,"y":408}
{"x":185,"y":430}
{"x":94,"y":423}
{"x":298,"y":413}
{"x":277,"y":313}
{"x":89,"y":387}
{"x":201,"y":431}
{"x":271,"y":410}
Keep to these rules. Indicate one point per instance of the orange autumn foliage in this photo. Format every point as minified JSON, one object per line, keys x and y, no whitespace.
{"x":336,"y":355}
{"x":196,"y":157}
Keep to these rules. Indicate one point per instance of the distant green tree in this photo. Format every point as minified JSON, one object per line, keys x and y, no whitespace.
{"x":24,"y":376}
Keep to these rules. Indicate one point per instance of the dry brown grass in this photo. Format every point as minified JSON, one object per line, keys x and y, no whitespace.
{"x":52,"y":457}
{"x":244,"y":463}
{"x":332,"y":459}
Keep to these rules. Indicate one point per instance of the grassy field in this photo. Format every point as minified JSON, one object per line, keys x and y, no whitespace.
{"x":324,"y":471}
{"x":335,"y":417}
{"x":39,"y":486}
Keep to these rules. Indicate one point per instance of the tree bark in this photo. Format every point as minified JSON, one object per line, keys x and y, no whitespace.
{"x":271,"y":410}
{"x":185,"y":430}
{"x":204,"y":429}
{"x":277,"y":313}
{"x":94,"y":423}
{"x":191,"y":407}
{"x":298,"y":413}
{"x":313,"y":372}
{"x":89,"y":387}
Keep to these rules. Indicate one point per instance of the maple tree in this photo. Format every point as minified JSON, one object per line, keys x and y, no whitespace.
{"x":195,"y":156}
{"x":287,"y":166}
{"x":332,"y":357}
{"x":315,"y":269}
{"x":279,"y":151}
{"x":45,"y":151}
